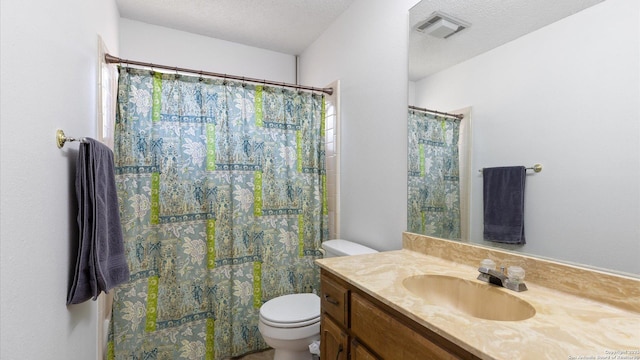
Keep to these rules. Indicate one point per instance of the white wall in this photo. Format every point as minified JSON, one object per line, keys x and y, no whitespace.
{"x":373,"y":76}
{"x":366,"y":48}
{"x":566,"y":96}
{"x":160,"y":45}
{"x":48,"y":81}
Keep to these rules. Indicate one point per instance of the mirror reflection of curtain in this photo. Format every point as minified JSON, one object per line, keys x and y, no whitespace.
{"x":223,"y":205}
{"x":433,"y":175}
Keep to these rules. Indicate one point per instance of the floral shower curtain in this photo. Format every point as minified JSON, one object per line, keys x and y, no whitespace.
{"x":223,"y":203}
{"x":433,"y":180}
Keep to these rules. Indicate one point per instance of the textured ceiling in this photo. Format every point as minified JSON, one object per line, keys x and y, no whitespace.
{"x":286,"y":26}
{"x":290,"y":26}
{"x":493,"y":23}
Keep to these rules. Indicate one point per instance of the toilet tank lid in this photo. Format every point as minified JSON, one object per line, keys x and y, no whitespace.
{"x":345,"y":247}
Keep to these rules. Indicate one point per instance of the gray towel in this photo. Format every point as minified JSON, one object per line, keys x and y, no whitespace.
{"x":503,"y":198}
{"x":101,"y":261}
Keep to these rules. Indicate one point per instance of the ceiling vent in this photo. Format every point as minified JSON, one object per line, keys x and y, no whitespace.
{"x":441,"y":25}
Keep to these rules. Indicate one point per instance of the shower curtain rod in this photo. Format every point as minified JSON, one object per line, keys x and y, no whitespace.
{"x":457,"y":116}
{"x":110,"y":59}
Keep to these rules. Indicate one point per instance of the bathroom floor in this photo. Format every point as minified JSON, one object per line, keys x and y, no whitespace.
{"x":264,"y":355}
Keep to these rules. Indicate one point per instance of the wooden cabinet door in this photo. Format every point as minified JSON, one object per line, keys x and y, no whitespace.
{"x":334,"y":341}
{"x":388,"y":337}
{"x":359,"y":352}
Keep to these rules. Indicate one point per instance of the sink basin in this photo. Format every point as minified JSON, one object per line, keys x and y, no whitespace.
{"x":475,"y":299}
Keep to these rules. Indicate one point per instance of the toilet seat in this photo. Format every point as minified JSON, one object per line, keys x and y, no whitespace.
{"x":291,"y":311}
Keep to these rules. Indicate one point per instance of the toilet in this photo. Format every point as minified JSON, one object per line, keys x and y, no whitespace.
{"x":289,"y":323}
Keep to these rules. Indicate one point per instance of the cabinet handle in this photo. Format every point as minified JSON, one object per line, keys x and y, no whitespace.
{"x":339,"y":351}
{"x":331,"y":300}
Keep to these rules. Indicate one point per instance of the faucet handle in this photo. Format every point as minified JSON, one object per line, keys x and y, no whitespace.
{"x":515,"y":274}
{"x":488,"y":264}
{"x":514,"y":280}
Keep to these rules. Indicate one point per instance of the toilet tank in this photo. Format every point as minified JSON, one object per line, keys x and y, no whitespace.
{"x":339,"y":247}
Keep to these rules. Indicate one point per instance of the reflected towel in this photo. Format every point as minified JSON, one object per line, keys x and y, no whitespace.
{"x":503,"y":198}
{"x":101,"y":260}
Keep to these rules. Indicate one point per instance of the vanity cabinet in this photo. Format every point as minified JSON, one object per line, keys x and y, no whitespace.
{"x":356,"y":326}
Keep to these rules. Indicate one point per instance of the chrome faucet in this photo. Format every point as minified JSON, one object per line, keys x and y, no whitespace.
{"x":500,"y":278}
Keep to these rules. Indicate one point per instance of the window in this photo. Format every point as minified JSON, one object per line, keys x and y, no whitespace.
{"x":332,"y":156}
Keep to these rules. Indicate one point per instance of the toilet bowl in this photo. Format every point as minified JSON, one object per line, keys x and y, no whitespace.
{"x":289,"y":323}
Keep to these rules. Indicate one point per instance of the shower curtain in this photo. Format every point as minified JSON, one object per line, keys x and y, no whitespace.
{"x":433,"y":205}
{"x":223,"y":207}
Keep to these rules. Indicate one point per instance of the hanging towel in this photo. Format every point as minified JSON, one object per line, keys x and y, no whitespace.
{"x":503,"y":197}
{"x":101,"y":261}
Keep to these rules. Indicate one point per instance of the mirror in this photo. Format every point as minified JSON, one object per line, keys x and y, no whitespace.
{"x":555,"y":83}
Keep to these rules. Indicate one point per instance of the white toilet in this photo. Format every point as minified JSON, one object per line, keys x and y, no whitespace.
{"x":289,"y":323}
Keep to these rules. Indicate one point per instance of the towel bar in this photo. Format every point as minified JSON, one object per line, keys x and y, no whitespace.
{"x":61,"y":139}
{"x":536,"y":168}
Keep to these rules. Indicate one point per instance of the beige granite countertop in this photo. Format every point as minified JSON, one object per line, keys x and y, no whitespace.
{"x":565,"y":326}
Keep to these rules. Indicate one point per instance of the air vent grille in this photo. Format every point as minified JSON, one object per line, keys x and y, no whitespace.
{"x":424,"y":25}
{"x":441,"y":25}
